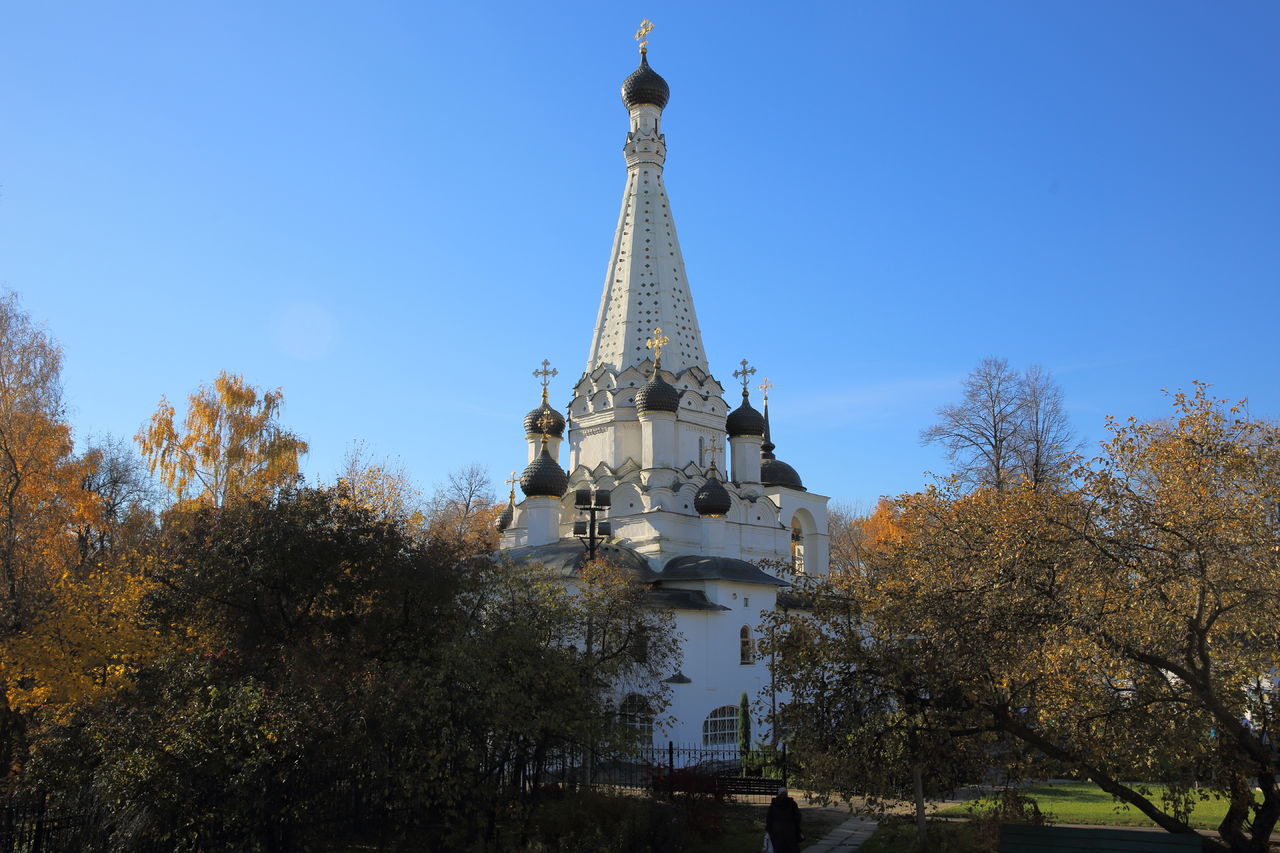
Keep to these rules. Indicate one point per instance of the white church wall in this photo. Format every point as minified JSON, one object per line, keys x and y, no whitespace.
{"x":712,"y":661}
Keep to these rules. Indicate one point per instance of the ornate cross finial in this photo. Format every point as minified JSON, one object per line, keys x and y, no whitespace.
{"x":544,"y":424}
{"x":764,"y":388}
{"x":545,"y":374}
{"x":745,"y":375}
{"x":656,"y":343}
{"x":714,"y":452}
{"x":511,"y":481}
{"x":642,"y":34}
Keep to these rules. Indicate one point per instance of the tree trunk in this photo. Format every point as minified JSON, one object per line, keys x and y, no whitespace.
{"x":917,"y":789}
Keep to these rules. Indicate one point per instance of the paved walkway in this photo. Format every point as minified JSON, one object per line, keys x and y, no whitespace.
{"x":845,"y":837}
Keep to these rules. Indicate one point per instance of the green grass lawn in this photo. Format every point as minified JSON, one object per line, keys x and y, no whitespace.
{"x":1086,"y":803}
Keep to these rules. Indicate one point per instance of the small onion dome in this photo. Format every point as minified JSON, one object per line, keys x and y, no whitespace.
{"x":556,"y":427}
{"x":645,"y":86}
{"x":657,"y":395}
{"x":544,"y":478}
{"x":775,"y":472}
{"x":504,"y":520}
{"x":744,"y":420}
{"x":712,"y":499}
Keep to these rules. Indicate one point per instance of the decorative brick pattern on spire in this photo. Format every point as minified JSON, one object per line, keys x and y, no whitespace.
{"x":646,"y":284}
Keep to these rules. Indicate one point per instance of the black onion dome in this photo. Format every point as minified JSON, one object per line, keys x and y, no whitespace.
{"x":556,"y":427}
{"x":775,"y":472}
{"x":544,"y":478}
{"x":744,"y":420}
{"x":712,"y":498}
{"x":645,"y":86}
{"x":657,"y":395}
{"x":504,"y":520}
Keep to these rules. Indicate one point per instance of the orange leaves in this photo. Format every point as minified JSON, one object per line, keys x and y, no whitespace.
{"x":230,"y":444}
{"x":88,"y":645}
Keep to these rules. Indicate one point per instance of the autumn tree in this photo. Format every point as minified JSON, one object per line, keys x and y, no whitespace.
{"x":464,"y":509}
{"x":1122,"y":629}
{"x":311,"y":634}
{"x":40,"y":498}
{"x":230,"y":444}
{"x":381,"y":485}
{"x":866,"y":719}
{"x":856,"y":537}
{"x":69,"y":588}
{"x":125,"y":502}
{"x":1008,"y":428}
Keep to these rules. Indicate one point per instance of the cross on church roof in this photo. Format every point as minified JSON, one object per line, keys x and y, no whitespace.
{"x":511,"y":481}
{"x":764,"y":388}
{"x":656,"y":343}
{"x":642,"y":34}
{"x":714,"y":451}
{"x":544,"y":424}
{"x":546,"y":372}
{"x":744,"y":374}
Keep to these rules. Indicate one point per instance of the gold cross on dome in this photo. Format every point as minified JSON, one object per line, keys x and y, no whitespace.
{"x":764,"y":388}
{"x":714,"y":451}
{"x":544,"y":424}
{"x":656,"y":343}
{"x":642,"y":34}
{"x":511,"y":481}
{"x":744,"y":374}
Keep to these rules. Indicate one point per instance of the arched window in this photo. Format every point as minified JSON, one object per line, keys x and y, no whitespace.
{"x":797,"y":546}
{"x":634,"y":713}
{"x":720,"y":728}
{"x":746,"y":652}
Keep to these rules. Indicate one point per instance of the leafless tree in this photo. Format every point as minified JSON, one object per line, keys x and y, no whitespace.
{"x":127,"y":498}
{"x":1045,"y":439}
{"x":463,"y":509}
{"x":981,"y":432}
{"x":1008,"y":428}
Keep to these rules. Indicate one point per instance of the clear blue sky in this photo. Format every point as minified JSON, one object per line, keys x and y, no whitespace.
{"x":395,"y":211}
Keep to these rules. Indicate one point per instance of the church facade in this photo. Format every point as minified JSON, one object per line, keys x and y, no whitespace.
{"x":648,"y":425}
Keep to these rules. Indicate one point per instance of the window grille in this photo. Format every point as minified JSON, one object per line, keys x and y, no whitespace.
{"x":720,"y":728}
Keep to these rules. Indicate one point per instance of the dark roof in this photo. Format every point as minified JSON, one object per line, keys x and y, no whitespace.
{"x":775,"y":472}
{"x":657,"y":395}
{"x":645,"y":86}
{"x":681,"y":599}
{"x":744,"y":420}
{"x":556,"y":428}
{"x":504,"y":520}
{"x":544,"y":477}
{"x":791,"y":601}
{"x":712,"y":498}
{"x":678,"y":678}
{"x":698,"y":567}
{"x":567,"y":556}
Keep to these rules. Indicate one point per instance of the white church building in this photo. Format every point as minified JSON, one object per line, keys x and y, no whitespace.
{"x":648,"y":422}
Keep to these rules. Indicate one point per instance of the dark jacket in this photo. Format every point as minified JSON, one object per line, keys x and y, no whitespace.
{"x":782,"y":822}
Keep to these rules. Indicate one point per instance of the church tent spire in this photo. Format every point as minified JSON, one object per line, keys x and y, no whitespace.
{"x":645,"y":285}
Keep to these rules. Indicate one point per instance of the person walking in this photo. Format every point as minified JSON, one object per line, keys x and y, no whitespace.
{"x":782,"y":823}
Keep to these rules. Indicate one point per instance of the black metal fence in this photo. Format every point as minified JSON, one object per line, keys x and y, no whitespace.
{"x":331,"y":802}
{"x":751,"y":776}
{"x":311,"y":805}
